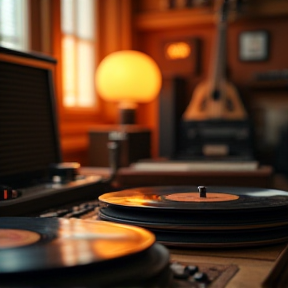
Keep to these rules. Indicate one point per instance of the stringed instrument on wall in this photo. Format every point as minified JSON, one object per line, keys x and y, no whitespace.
{"x":216,"y":98}
{"x":215,"y":124}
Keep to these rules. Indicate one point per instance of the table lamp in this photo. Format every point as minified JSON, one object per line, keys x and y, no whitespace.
{"x":128,"y":77}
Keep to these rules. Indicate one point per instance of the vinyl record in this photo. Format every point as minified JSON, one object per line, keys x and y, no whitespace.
{"x":226,"y":216}
{"x":222,"y":208}
{"x":81,"y":252}
{"x":187,"y":198}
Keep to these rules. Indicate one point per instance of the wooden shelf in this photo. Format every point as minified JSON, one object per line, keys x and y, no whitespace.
{"x":178,"y":18}
{"x":267,"y":8}
{"x":174,"y":19}
{"x":269,"y":85}
{"x":128,"y":177}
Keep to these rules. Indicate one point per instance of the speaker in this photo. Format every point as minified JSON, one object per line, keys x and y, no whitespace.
{"x":172,"y":104}
{"x":281,"y":164}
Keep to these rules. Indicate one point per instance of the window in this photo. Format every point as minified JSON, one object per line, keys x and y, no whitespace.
{"x":78,"y":52}
{"x":14,"y":24}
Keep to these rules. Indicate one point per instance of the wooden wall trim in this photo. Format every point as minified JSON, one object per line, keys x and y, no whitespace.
{"x":40,"y":26}
{"x":181,"y":18}
{"x":35,"y":25}
{"x":114,"y":26}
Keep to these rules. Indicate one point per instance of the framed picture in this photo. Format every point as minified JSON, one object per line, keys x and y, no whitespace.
{"x":254,"y":45}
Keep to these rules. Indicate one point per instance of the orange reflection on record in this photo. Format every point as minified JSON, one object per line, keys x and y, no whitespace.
{"x":130,"y":198}
{"x":89,"y":240}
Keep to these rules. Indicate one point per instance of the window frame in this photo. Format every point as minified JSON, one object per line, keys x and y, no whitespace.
{"x":78,"y":42}
{"x":71,"y":114}
{"x":115,"y":34}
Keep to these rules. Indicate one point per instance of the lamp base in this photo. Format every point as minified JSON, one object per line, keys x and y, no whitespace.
{"x":127,"y":116}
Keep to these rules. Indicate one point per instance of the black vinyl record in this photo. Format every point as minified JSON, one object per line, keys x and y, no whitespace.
{"x":75,"y":252}
{"x":226,"y":216}
{"x":187,"y":198}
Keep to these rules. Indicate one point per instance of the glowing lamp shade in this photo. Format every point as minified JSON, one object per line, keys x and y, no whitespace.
{"x":128,"y":77}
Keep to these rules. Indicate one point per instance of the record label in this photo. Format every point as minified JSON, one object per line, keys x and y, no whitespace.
{"x":194,"y":197}
{"x":11,"y":238}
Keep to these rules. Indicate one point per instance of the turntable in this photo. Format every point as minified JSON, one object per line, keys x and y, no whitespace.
{"x":212,"y":217}
{"x":58,"y":252}
{"x":68,"y":251}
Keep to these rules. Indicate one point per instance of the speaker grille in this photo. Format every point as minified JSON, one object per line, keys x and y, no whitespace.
{"x":28,"y":140}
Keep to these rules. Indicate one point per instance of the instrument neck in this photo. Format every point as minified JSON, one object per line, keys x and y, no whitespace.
{"x":218,"y":69}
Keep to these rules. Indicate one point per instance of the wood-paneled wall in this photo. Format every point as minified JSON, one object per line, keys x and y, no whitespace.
{"x":154,"y":26}
{"x":144,"y":25}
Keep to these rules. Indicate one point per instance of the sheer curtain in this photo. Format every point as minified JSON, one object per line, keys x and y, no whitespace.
{"x":14,"y":24}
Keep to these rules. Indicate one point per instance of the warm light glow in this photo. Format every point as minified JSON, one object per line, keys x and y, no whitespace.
{"x":178,"y":50}
{"x":128,"y":76}
{"x":86,"y":68}
{"x":78,"y":53}
{"x":89,"y":241}
{"x":78,"y":72}
{"x":68,"y":69}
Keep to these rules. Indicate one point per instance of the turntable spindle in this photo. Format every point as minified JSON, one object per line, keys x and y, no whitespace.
{"x":202,"y":191}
